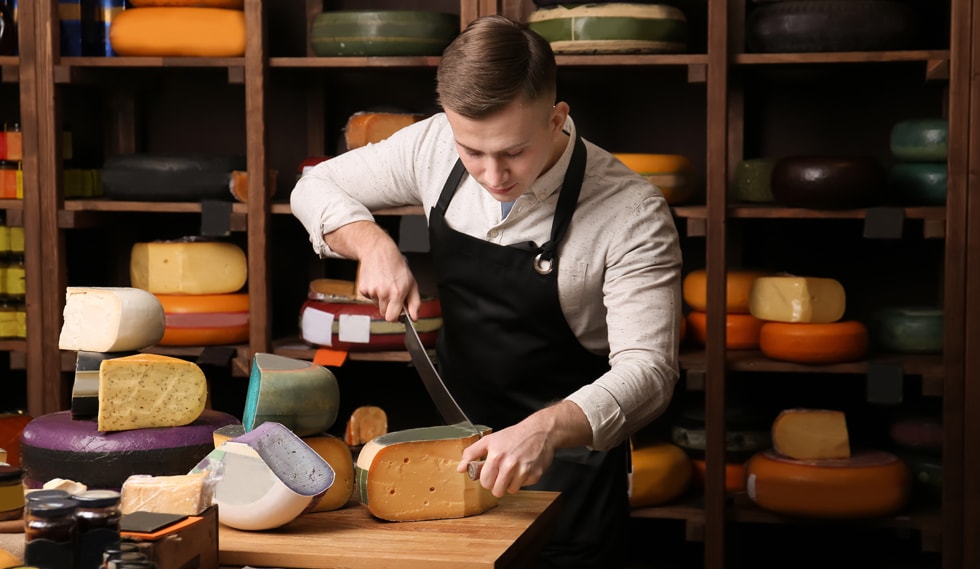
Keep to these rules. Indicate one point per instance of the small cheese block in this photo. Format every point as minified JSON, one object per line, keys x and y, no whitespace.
{"x":672,"y":174}
{"x":869,"y":483}
{"x":359,"y":327}
{"x":338,"y":455}
{"x":797,"y":299}
{"x":179,"y":31}
{"x":188,"y":267}
{"x":661,"y":472}
{"x":205,"y":319}
{"x":837,"y":342}
{"x":301,"y":395}
{"x":270,"y":477}
{"x":611,"y":28}
{"x":741,"y":330}
{"x":149,"y":390}
{"x":187,"y":494}
{"x":366,"y":422}
{"x":811,"y":434}
{"x":110,"y":319}
{"x":411,"y":475}
{"x":366,"y":127}
{"x":85,"y":389}
{"x":738,"y":284}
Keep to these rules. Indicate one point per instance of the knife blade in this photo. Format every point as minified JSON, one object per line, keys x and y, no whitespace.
{"x":451,"y":412}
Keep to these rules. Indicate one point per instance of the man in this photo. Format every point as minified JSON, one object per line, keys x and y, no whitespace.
{"x":558,"y":273}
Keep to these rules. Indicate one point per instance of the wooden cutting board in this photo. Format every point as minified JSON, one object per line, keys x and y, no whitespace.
{"x":508,"y":535}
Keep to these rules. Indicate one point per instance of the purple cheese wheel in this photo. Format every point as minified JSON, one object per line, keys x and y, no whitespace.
{"x":57,"y":446}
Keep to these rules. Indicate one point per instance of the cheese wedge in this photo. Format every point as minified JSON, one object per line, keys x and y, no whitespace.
{"x":811,"y":434}
{"x":188,"y":267}
{"x":110,"y":319}
{"x":187,"y":494}
{"x":797,"y":299}
{"x":301,"y":395}
{"x":85,"y":389}
{"x":365,"y":423}
{"x":149,"y":390}
{"x":338,"y":455}
{"x":411,"y":475}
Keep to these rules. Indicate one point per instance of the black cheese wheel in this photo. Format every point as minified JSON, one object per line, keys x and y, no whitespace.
{"x":827,"y":182}
{"x":153,"y":177}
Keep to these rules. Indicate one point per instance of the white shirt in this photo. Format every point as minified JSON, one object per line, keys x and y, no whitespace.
{"x":618,"y":266}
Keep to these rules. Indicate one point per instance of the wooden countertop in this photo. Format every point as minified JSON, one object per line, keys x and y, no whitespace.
{"x":508,"y":535}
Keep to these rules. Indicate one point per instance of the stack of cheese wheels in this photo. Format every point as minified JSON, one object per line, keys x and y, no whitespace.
{"x":919,"y":176}
{"x":611,"y":28}
{"x":741,"y":327}
{"x":661,"y":472}
{"x":198,"y":282}
{"x":918,"y":440}
{"x":745,"y":434}
{"x":812,"y":471}
{"x":180,"y":28}
{"x":672,"y":174}
{"x":368,"y":127}
{"x":149,"y":410}
{"x":803,"y":320}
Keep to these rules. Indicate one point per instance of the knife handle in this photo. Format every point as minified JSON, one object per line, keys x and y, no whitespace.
{"x":474,"y":468}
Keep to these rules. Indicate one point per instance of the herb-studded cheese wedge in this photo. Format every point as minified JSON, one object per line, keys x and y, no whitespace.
{"x":411,"y":475}
{"x":149,"y":390}
{"x":110,"y":319}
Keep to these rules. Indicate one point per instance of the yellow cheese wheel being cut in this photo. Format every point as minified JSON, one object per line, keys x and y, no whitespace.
{"x":738,"y":284}
{"x":811,"y":434}
{"x":797,"y":299}
{"x":869,"y":483}
{"x":188,"y":267}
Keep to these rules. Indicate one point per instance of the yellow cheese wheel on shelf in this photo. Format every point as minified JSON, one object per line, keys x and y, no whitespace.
{"x":661,"y":473}
{"x":741,"y":330}
{"x":734,"y":475}
{"x":804,"y":343}
{"x":229,"y":4}
{"x":738,"y":286}
{"x":673,"y":174}
{"x":170,"y":31}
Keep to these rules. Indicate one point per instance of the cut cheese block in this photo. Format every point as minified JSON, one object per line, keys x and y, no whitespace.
{"x":611,"y":28}
{"x":149,"y":390}
{"x":227,"y":433}
{"x":270,"y":477}
{"x":205,"y":319}
{"x":85,"y":389}
{"x":811,"y":434}
{"x":188,"y":267}
{"x":836,"y":342}
{"x":741,"y":330}
{"x":738,"y":284}
{"x":170,"y":177}
{"x":57,"y":446}
{"x":110,"y":319}
{"x":365,"y":127}
{"x":827,"y":182}
{"x":920,"y":140}
{"x":411,"y":475}
{"x":299,"y":394}
{"x":673,"y":174}
{"x":358,"y":326}
{"x":186,"y":494}
{"x":734,"y":475}
{"x":339,"y":33}
{"x":661,"y":473}
{"x":753,"y":180}
{"x":177,"y":31}
{"x":366,"y":422}
{"x":918,"y":183}
{"x":908,"y":329}
{"x":797,"y":299}
{"x":870,"y":483}
{"x":338,"y":455}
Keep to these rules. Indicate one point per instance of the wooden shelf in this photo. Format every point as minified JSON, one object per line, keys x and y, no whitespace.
{"x":88,"y":213}
{"x":131,"y":62}
{"x":354,"y":62}
{"x":840,"y":57}
{"x":296,"y":348}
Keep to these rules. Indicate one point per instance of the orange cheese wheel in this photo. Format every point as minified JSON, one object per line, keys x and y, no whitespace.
{"x":741,"y":330}
{"x":364,"y":127}
{"x":809,"y":343}
{"x":204,"y":319}
{"x":734,"y":475}
{"x":338,"y":455}
{"x":178,"y":32}
{"x":869,"y":483}
{"x":661,"y":473}
{"x":738,"y":284}
{"x":229,"y":4}
{"x":673,"y":174}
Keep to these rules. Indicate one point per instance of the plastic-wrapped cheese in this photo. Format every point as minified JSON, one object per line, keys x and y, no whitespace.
{"x":188,"y":267}
{"x":149,"y":390}
{"x":411,"y":475}
{"x":187,"y":494}
{"x":811,"y":434}
{"x":301,"y":395}
{"x":797,"y":299}
{"x":110,"y":319}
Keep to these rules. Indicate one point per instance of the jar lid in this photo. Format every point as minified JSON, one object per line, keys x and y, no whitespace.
{"x":9,"y":473}
{"x":96,"y":498}
{"x":46,"y":495}
{"x":52,"y":508}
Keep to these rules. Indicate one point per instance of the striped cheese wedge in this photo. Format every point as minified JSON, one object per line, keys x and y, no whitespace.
{"x":204,"y":319}
{"x":382,"y":33}
{"x":612,"y":28}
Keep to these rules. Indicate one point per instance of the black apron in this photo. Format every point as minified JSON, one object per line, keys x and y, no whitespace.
{"x":506,"y":351}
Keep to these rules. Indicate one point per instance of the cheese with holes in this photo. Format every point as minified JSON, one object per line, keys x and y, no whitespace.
{"x":149,"y":390}
{"x":411,"y":475}
{"x":110,"y":319}
{"x":300,"y":394}
{"x":797,"y":299}
{"x":338,"y":455}
{"x":188,"y":494}
{"x":188,"y":267}
{"x":811,"y":434}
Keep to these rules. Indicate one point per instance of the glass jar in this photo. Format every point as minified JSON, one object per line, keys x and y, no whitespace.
{"x":11,"y":492}
{"x":97,"y":518}
{"x":51,"y":533}
{"x":46,"y":495}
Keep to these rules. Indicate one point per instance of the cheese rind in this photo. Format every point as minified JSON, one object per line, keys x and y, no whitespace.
{"x":149,"y":390}
{"x":811,"y":434}
{"x":797,"y":299}
{"x":110,"y":319}
{"x":301,"y":395}
{"x":188,"y":267}
{"x":411,"y":475}
{"x":365,"y":423}
{"x":338,"y":455}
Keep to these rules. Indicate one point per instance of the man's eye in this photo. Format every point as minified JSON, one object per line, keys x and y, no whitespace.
{"x":515,"y":154}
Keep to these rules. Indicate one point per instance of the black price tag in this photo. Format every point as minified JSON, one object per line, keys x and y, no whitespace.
{"x":215,"y":218}
{"x":884,"y":223}
{"x":885,"y":384}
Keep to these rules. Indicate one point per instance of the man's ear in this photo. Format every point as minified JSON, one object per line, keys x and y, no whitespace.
{"x":558,"y":115}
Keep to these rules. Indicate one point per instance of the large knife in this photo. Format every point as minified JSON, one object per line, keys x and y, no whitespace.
{"x":445,"y":404}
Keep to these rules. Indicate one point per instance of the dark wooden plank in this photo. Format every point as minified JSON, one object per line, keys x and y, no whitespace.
{"x":840,"y":57}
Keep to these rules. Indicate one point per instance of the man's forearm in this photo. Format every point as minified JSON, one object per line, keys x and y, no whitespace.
{"x":357,"y":239}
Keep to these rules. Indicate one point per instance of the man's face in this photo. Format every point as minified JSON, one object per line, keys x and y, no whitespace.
{"x":507,"y":151}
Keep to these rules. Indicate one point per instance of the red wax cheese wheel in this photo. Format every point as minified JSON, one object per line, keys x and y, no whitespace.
{"x":734,"y":475}
{"x":741,"y":330}
{"x":808,"y":343}
{"x":870,"y":483}
{"x":738,"y":285}
{"x":827,"y":182}
{"x":57,"y":446}
{"x":178,"y":32}
{"x":359,"y":327}
{"x":204,"y":319}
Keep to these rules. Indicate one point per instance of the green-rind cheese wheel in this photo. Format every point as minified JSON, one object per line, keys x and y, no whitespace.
{"x":918,"y":183}
{"x":382,"y":33}
{"x":753,"y":180}
{"x":913,"y":330}
{"x":920,"y":140}
{"x":612,"y":28}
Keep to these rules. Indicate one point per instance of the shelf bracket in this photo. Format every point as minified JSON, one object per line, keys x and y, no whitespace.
{"x":937,"y":70}
{"x":697,"y":73}
{"x":885,"y":383}
{"x":9,"y":74}
{"x":697,"y":227}
{"x":236,"y":75}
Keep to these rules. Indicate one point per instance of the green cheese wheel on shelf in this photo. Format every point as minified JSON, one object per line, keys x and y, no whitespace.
{"x":918,"y":183}
{"x":382,"y":33}
{"x":908,"y":329}
{"x":611,"y":28}
{"x":753,"y":180}
{"x":920,"y":140}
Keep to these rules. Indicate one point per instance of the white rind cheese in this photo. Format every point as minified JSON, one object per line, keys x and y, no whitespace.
{"x":149,"y":390}
{"x":111,"y":319}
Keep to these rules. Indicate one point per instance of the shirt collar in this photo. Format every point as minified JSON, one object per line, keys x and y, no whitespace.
{"x":550,"y":182}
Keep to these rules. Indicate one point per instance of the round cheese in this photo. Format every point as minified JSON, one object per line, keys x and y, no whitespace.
{"x":835,"y":342}
{"x":205,"y":319}
{"x":741,"y":330}
{"x":753,"y":180}
{"x":338,"y":455}
{"x":918,"y":183}
{"x":188,"y":267}
{"x":738,"y":285}
{"x":827,"y":182}
{"x":734,"y":475}
{"x":178,"y":31}
{"x":382,"y":33}
{"x":661,"y":473}
{"x":359,"y":327}
{"x":673,"y":174}
{"x":908,"y":329}
{"x":611,"y":28}
{"x":110,"y":319}
{"x":920,"y":140}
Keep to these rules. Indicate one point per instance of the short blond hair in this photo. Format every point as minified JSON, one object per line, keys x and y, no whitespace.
{"x":493,"y":62}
